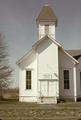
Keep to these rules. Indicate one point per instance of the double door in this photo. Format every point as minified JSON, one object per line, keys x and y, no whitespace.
{"x":48,"y":88}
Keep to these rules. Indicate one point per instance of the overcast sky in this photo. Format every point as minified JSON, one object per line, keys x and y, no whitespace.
{"x":18,"y":24}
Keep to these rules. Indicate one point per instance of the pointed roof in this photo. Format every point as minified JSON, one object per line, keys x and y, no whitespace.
{"x":38,"y":42}
{"x":77,"y":57}
{"x":42,"y":39}
{"x":75,"y":53}
{"x":47,"y":15}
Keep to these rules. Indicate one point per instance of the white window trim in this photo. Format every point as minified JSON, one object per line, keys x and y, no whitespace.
{"x":31,"y":78}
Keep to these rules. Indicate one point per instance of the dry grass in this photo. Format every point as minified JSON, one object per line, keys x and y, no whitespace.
{"x":10,"y":93}
{"x":11,"y":109}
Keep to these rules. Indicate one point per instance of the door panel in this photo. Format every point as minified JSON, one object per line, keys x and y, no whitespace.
{"x":48,"y":88}
{"x":52,"y":88}
{"x":43,"y":88}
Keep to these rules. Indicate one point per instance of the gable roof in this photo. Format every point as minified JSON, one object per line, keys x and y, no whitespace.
{"x":35,"y":45}
{"x":77,"y":57}
{"x":75,"y":53}
{"x":38,"y":42}
{"x":47,"y":15}
{"x":76,"y":61}
{"x":23,"y":57}
{"x":46,"y":36}
{"x":58,"y":44}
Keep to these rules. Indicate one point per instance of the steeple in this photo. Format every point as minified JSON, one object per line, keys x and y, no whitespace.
{"x":47,"y":21}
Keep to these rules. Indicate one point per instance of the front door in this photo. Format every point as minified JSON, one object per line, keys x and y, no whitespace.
{"x":48,"y":88}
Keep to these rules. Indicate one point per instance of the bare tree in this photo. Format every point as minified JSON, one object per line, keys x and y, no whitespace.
{"x":5,"y":70}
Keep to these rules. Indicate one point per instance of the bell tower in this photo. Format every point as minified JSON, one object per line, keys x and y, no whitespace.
{"x":46,"y":22}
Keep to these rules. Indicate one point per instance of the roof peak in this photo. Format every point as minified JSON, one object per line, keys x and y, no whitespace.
{"x":47,"y":15}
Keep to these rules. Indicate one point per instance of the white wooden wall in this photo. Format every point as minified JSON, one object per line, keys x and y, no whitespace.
{"x":25,"y":94}
{"x":78,"y":78}
{"x":48,"y":65}
{"x":65,"y":63}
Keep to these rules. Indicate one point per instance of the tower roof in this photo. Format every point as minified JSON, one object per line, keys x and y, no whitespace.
{"x":47,"y":15}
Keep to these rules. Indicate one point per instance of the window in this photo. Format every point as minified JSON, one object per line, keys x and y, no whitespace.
{"x":28,"y":79}
{"x":46,"y":29}
{"x":66,"y":79}
{"x":80,"y":80}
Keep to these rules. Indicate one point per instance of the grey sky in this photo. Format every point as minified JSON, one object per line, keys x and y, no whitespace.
{"x":17,"y":22}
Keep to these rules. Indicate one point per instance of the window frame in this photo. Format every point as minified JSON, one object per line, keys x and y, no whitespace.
{"x":66,"y":79}
{"x":28,"y":79}
{"x":46,"y":29}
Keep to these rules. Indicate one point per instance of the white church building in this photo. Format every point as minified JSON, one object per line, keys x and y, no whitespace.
{"x":48,"y":73}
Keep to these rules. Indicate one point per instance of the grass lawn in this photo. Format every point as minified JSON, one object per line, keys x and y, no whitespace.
{"x":14,"y":110}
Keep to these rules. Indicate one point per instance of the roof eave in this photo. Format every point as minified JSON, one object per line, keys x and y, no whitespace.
{"x":21,"y":59}
{"x":77,"y":62}
{"x":48,"y":36}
